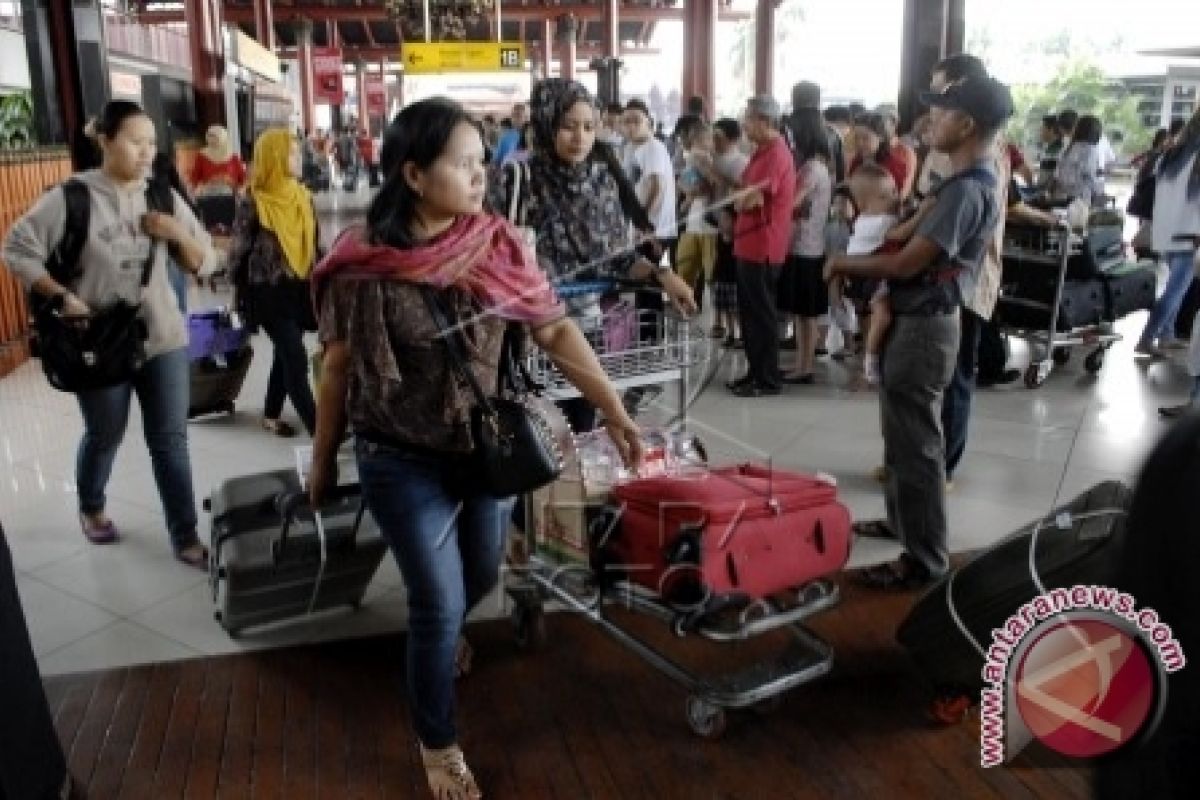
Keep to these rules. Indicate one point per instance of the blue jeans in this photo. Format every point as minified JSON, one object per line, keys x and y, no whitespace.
{"x":1179,"y":278}
{"x":162,"y":387}
{"x":448,"y":546}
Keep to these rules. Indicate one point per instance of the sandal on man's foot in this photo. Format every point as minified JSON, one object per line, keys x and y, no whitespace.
{"x":194,"y":555}
{"x":874,"y":529}
{"x":464,"y":654}
{"x":896,"y":576}
{"x":448,"y":774}
{"x":279,"y":428}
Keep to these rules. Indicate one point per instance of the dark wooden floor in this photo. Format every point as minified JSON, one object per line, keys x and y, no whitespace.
{"x":580,"y":719}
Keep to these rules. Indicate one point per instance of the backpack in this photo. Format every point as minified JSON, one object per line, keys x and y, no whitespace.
{"x":63,"y":264}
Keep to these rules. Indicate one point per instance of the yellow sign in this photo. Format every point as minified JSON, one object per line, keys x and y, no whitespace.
{"x":421,"y":58}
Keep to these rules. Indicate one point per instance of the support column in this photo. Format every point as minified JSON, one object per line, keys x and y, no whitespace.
{"x":360,"y":80}
{"x":207,"y":45}
{"x":568,"y":33}
{"x":264,"y":24}
{"x":699,"y":68}
{"x":612,"y":29}
{"x":764,"y":47}
{"x":547,"y":48}
{"x":933,"y":29}
{"x":68,"y":68}
{"x":304,"y":63}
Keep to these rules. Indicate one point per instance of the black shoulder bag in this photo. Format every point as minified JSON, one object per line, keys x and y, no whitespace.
{"x":515,"y":450}
{"x":103,"y":350}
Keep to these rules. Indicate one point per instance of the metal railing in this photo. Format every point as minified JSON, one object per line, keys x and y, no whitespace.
{"x":157,"y":43}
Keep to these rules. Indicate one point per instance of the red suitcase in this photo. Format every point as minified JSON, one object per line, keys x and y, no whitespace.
{"x":728,"y":536}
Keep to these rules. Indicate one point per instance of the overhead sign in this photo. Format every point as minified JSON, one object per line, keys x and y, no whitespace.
{"x":125,"y":85}
{"x":254,"y":57}
{"x":422,"y":58}
{"x":376,"y":90}
{"x":328,"y":85}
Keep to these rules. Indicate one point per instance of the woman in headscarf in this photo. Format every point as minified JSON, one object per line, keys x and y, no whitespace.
{"x":218,"y":174}
{"x":273,"y":251}
{"x":389,"y":375}
{"x":572,"y":199}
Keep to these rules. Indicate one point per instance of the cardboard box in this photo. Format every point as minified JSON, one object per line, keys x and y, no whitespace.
{"x":561,"y":514}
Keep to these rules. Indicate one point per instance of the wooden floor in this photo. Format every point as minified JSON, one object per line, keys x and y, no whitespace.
{"x":580,"y":719}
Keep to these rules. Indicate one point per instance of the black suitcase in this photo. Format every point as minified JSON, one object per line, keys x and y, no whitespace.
{"x":1083,"y":303}
{"x":273,"y":559}
{"x":950,"y":627}
{"x":1129,"y":292}
{"x":215,"y":385}
{"x":1103,"y":249}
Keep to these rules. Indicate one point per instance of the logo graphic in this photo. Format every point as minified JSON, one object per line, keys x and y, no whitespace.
{"x":1085,"y":687}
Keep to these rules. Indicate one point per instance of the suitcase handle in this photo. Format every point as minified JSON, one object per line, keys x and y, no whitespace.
{"x":289,"y":504}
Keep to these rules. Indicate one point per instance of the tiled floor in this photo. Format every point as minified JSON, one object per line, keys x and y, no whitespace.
{"x":91,"y":607}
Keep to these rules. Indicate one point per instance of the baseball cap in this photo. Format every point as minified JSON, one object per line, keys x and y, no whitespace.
{"x":766,"y":106}
{"x":983,"y":98}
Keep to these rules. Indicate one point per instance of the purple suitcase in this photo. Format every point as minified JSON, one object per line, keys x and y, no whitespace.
{"x":214,"y":334}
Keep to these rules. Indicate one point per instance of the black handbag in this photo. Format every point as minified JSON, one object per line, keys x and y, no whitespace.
{"x":96,"y":352}
{"x":515,"y":449}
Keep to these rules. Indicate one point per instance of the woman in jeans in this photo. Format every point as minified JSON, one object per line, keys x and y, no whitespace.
{"x":273,"y":251}
{"x":1176,"y":228}
{"x":123,"y":237}
{"x":388,"y":375}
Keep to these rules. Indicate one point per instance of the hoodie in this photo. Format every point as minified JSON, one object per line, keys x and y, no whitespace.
{"x":113,"y":255}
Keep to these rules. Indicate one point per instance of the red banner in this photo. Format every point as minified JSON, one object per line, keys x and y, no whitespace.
{"x":376,"y":96}
{"x":327,"y":76}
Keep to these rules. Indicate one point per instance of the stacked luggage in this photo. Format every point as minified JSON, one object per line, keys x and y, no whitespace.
{"x":220,"y":354}
{"x":1100,"y":286}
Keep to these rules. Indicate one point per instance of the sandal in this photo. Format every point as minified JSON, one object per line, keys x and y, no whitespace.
{"x":896,"y":576}
{"x":448,"y":774}
{"x":194,"y":555}
{"x":718,"y":332}
{"x":463,"y":656}
{"x":98,"y":533}
{"x":278,"y":427}
{"x":874,"y":529}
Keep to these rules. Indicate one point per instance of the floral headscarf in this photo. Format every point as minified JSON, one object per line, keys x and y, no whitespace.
{"x":581,"y":228}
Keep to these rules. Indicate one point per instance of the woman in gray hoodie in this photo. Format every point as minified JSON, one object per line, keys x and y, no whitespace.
{"x":123,"y":234}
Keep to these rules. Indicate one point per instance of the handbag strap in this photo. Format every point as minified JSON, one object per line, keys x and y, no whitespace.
{"x":456,"y":348}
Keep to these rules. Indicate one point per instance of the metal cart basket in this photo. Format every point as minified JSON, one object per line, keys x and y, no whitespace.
{"x":658,"y":348}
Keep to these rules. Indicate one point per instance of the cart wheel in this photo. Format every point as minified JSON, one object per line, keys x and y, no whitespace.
{"x":230,"y":408}
{"x":1061,"y":355}
{"x":1035,"y":375}
{"x":529,"y":624}
{"x":1094,"y":362}
{"x":705,"y":719}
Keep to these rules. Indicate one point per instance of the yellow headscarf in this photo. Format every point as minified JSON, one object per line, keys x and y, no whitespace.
{"x":284,"y":205}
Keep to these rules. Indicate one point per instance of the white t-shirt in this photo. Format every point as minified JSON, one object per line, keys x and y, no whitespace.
{"x":652,"y":158}
{"x":870,"y":232}
{"x":1174,"y":213}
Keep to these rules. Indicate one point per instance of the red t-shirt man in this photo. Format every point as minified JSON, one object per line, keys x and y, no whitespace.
{"x":762,"y":235}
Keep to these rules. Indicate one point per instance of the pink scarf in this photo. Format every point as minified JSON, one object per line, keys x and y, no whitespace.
{"x":480,"y":254}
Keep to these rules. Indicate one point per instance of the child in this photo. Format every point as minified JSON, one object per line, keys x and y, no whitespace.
{"x":696,"y":257}
{"x":876,"y":199}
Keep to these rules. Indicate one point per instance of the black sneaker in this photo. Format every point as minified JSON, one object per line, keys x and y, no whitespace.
{"x":788,"y":343}
{"x":752,"y":389}
{"x":745,"y":380}
{"x":988,"y":381}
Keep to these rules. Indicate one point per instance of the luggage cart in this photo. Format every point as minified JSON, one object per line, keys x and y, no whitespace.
{"x":1034,"y":246}
{"x":663,"y":349}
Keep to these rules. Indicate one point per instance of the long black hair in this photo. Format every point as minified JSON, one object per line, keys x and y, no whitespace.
{"x":810,"y":138}
{"x":164,"y":171}
{"x":114,"y":115}
{"x":417,"y":135}
{"x":874,"y":123}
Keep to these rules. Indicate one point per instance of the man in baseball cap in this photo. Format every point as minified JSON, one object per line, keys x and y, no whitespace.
{"x":929,"y":283}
